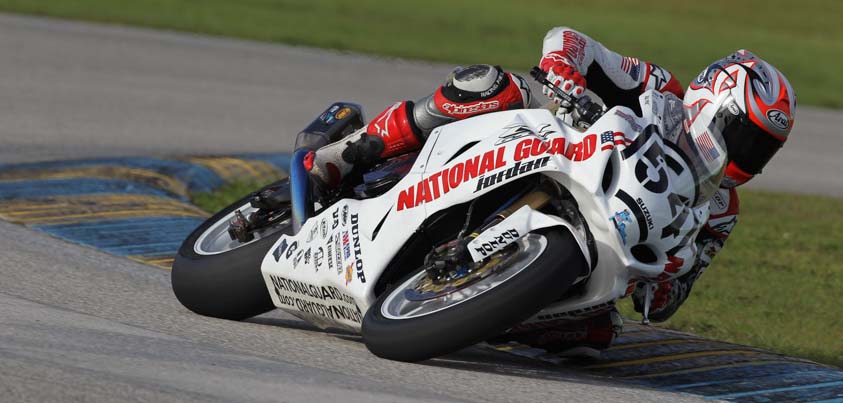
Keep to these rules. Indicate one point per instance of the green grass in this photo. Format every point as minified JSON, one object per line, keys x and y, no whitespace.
{"x":224,"y":196}
{"x":777,"y":283}
{"x":804,"y":40}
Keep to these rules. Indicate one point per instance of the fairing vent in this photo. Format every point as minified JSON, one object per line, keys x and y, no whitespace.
{"x":462,"y":150}
{"x":644,"y":254}
{"x":609,"y":176}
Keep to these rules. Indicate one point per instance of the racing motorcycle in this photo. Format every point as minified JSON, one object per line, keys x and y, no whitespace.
{"x":503,"y":221}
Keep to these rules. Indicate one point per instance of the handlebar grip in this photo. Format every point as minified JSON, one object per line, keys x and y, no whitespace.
{"x":538,"y":74}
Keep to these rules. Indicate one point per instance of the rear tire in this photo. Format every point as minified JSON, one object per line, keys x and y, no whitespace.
{"x":227,"y":285}
{"x":481,"y":316}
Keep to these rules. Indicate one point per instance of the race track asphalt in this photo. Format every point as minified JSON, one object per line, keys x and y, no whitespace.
{"x":79,"y":324}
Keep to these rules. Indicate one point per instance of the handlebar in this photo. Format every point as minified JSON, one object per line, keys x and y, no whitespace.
{"x":587,"y":110}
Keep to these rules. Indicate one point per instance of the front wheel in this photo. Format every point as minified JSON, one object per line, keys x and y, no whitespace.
{"x":420,"y":319}
{"x":214,"y":275}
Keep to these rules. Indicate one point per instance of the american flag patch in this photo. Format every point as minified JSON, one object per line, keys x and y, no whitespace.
{"x":707,"y":147}
{"x":610,"y":139}
{"x":631,"y":66}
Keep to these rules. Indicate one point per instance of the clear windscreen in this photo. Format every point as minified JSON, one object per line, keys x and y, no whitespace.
{"x":705,"y":153}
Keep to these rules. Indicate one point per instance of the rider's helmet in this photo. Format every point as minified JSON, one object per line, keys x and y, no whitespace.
{"x":750,"y":103}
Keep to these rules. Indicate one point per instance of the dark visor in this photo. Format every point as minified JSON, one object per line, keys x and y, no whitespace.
{"x":748,"y":145}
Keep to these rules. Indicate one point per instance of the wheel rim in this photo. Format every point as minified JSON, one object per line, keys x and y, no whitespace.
{"x":407,"y":301}
{"x":215,"y":239}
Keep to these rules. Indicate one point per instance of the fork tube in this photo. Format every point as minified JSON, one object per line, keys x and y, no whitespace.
{"x":300,"y":190}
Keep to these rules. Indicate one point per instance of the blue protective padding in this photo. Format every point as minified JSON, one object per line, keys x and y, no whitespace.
{"x":280,"y":161}
{"x":136,"y":236}
{"x":751,"y":382}
{"x":791,"y":394}
{"x":75,"y":186}
{"x":196,"y":177}
{"x":690,"y":380}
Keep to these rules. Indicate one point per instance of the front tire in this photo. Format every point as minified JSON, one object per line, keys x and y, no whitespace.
{"x":414,"y":337}
{"x":217,"y":277}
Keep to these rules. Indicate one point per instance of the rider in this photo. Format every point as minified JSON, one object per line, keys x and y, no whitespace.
{"x":751,"y":103}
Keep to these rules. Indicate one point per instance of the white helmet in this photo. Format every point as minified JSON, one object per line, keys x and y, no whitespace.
{"x":750,"y":103}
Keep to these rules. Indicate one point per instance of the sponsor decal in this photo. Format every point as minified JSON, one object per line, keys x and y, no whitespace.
{"x":318,"y":258}
{"x":629,"y":119}
{"x":439,"y":183}
{"x":338,"y":249}
{"x":346,"y":245}
{"x":342,"y":113}
{"x":280,"y":250}
{"x":314,"y":230}
{"x":620,"y":219}
{"x":470,"y":109}
{"x":358,"y":259}
{"x":335,"y":218}
{"x":291,"y":249}
{"x":573,"y":151}
{"x":518,"y":169}
{"x":307,"y":256}
{"x":648,"y":218}
{"x":734,"y":109}
{"x":298,"y":259}
{"x":428,"y":189}
{"x":778,"y":119}
{"x":344,"y":215}
{"x":323,"y":227}
{"x":349,"y":273}
{"x":573,"y":46}
{"x":517,"y":131}
{"x":497,"y":243}
{"x":330,"y":251}
{"x":325,"y":301}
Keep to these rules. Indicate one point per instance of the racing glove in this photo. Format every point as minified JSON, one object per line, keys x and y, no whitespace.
{"x":564,"y":75}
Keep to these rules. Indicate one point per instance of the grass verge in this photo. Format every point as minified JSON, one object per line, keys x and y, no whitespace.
{"x":776,"y":284}
{"x":804,"y":40}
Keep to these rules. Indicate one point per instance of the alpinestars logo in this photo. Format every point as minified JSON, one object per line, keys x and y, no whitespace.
{"x":470,"y":109}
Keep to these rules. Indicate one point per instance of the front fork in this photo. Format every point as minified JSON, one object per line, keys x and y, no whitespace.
{"x":300,"y":194}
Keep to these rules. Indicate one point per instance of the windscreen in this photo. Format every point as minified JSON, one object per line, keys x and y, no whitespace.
{"x":705,"y":152}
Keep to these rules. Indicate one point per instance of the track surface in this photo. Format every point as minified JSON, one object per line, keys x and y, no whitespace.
{"x":81,"y":324}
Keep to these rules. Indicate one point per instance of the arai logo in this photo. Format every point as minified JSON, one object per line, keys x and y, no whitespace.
{"x":778,"y":118}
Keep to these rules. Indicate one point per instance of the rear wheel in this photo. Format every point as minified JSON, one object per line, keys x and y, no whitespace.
{"x":214,"y":275}
{"x":419,"y":319}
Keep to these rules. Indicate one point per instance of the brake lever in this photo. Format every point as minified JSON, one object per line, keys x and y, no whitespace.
{"x":588,"y":111}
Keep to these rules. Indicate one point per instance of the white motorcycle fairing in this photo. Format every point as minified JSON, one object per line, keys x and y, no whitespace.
{"x":625,"y":190}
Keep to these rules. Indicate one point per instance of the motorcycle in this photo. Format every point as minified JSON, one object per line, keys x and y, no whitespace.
{"x":501,"y":222}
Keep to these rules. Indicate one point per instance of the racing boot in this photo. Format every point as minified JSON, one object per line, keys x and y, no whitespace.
{"x":329,"y":165}
{"x":577,"y":338}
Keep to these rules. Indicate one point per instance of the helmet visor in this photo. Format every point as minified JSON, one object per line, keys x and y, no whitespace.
{"x":749,"y":146}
